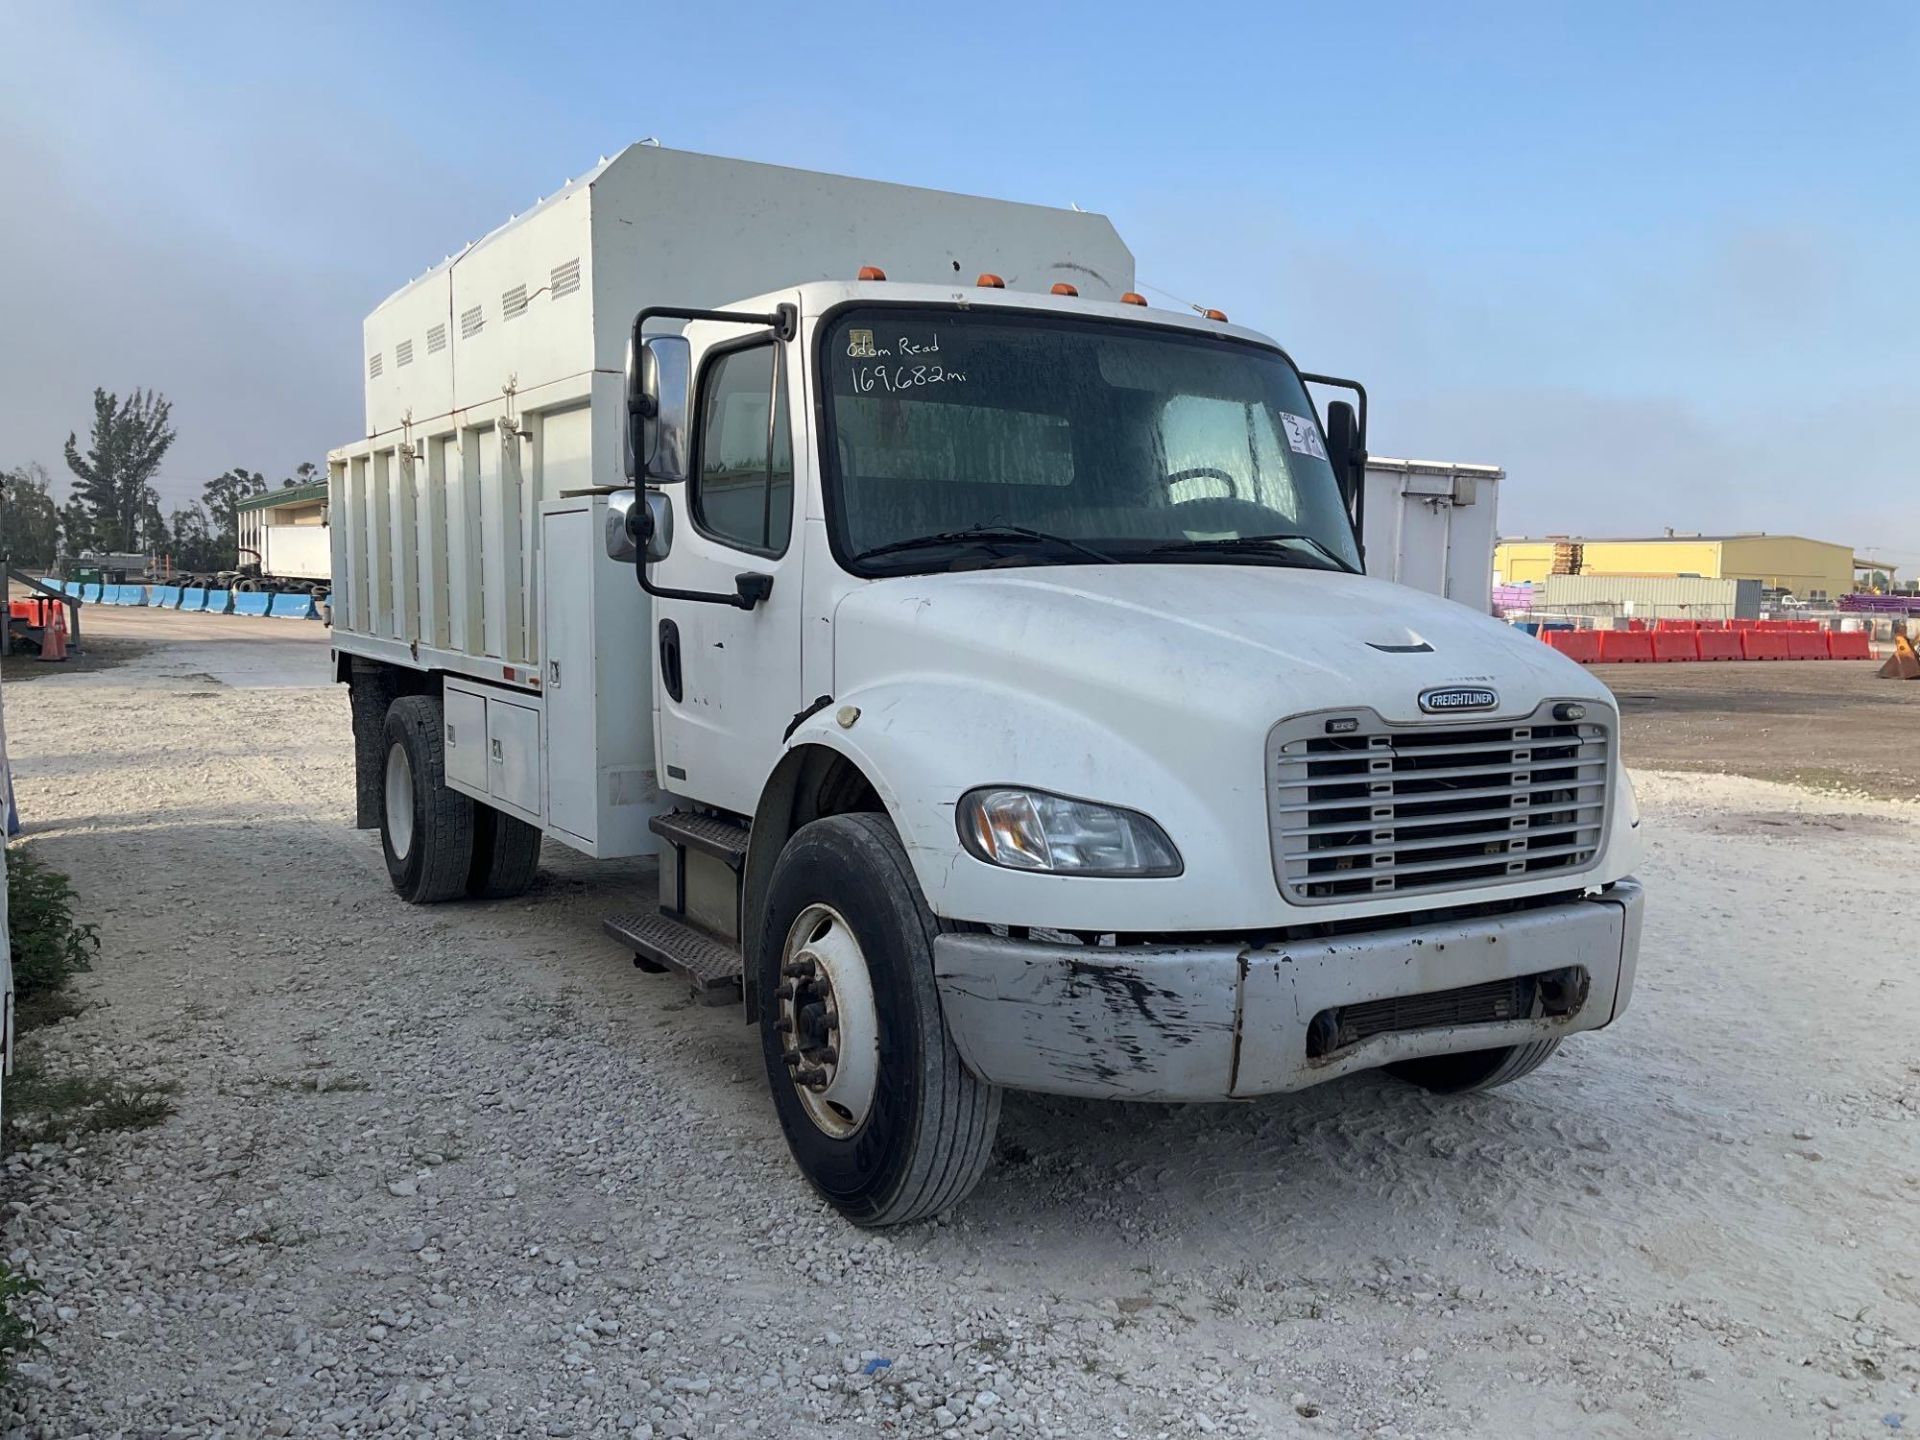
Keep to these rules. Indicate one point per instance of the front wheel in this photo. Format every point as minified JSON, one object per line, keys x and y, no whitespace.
{"x":1474,"y":1069}
{"x":881,"y":1114}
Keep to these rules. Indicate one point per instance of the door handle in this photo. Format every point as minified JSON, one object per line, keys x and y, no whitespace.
{"x":670,"y":678}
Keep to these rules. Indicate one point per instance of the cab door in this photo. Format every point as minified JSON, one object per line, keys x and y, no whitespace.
{"x":728,"y":679}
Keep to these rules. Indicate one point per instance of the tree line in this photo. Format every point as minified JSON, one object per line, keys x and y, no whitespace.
{"x":112,"y":505}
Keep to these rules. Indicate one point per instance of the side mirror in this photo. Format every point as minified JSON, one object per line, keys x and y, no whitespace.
{"x":1344,"y":451}
{"x":654,"y":520}
{"x":618,"y":541}
{"x":654,"y":441}
{"x":639,"y":524}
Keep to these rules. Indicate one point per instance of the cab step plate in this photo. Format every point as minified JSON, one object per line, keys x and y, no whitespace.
{"x":724,"y":839}
{"x":711,"y":966}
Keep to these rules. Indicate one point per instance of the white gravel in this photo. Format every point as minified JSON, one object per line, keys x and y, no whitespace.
{"x":463,"y":1171}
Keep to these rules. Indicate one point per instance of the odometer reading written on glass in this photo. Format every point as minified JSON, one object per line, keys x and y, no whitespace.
{"x":891,"y":364}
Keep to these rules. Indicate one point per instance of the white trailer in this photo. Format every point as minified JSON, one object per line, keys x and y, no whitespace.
{"x":1432,"y":524}
{"x":984,"y":655}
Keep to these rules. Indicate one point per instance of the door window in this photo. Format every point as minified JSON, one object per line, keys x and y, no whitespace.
{"x":743,"y":488}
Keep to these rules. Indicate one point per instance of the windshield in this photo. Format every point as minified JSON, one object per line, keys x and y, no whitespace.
{"x":957,"y":435}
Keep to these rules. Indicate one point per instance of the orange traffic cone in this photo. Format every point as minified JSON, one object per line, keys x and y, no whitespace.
{"x":53,"y":635}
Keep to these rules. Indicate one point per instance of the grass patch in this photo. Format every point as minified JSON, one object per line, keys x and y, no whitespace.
{"x":319,"y":1084}
{"x":44,"y":1106}
{"x":47,"y":1008}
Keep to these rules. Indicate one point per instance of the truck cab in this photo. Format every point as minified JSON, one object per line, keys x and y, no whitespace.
{"x":1016,"y":712}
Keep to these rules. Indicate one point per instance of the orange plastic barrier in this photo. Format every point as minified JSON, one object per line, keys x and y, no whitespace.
{"x":1581,"y":645}
{"x":1806,"y":645}
{"x":1762,"y":645}
{"x":1848,"y":645}
{"x":1660,"y":625}
{"x":1719,"y":645}
{"x":1676,"y":644}
{"x":1619,"y":647}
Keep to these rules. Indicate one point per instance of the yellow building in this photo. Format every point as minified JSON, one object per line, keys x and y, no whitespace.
{"x":1810,"y":569}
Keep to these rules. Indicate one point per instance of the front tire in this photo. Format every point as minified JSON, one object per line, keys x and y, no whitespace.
{"x":882,"y":1116}
{"x":1474,"y":1069}
{"x":426,"y":830}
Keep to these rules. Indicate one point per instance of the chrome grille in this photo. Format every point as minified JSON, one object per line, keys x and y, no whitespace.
{"x":1407,"y":809}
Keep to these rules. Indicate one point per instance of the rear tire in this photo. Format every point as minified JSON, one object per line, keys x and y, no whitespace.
{"x":894,"y":1128}
{"x":1475,"y":1069}
{"x":506,"y":855}
{"x":426,"y":830}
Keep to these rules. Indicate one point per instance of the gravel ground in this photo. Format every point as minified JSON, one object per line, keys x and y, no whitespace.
{"x":463,"y":1171}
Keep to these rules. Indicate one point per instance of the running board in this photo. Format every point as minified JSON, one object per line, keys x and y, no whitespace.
{"x":660,"y":942}
{"x":709,"y":834}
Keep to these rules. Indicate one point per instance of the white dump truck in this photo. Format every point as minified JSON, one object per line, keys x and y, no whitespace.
{"x":985,"y":655}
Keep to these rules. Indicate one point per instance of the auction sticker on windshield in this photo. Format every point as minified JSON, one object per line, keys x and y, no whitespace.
{"x":1303,"y":435}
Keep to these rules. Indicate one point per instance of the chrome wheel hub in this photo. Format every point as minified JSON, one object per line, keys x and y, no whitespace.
{"x":828,"y":1027}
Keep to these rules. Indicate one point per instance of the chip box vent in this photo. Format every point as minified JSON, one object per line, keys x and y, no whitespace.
{"x":513,"y":304}
{"x":403,"y":353}
{"x":374,"y":366}
{"x":471,"y":323}
{"x":436,"y":339}
{"x":566,"y":278}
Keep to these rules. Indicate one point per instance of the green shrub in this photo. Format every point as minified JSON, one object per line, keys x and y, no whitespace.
{"x":49,"y":946}
{"x":17,"y":1338}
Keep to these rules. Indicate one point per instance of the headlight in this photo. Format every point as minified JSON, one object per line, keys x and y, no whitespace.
{"x":1633,"y":803}
{"x":1032,"y":830}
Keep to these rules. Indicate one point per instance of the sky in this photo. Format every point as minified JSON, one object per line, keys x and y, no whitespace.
{"x":1660,"y":262}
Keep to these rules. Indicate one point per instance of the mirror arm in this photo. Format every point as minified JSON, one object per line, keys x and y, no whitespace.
{"x":784,"y":321}
{"x":750,"y":589}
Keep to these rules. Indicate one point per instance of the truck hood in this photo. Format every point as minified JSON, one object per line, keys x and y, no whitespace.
{"x":1260,"y":640}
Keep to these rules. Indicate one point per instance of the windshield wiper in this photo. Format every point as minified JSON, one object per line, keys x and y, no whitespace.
{"x":987,"y":534}
{"x":1257,"y":544}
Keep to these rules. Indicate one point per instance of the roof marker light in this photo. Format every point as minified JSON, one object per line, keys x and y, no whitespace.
{"x":872,"y":272}
{"x":1133,"y":297}
{"x":1061,"y":287}
{"x":1219,"y":315}
{"x":991,"y":282}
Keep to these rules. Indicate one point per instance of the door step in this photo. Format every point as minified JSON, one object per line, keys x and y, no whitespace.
{"x":660,"y":942}
{"x":723,"y":839}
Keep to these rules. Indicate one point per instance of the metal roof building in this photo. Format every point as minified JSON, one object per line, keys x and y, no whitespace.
{"x":1810,"y":569}
{"x":284,"y":532}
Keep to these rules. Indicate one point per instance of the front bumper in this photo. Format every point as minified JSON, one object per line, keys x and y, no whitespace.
{"x":1216,"y":1021}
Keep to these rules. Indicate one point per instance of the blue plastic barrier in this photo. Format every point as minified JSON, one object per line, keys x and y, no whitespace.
{"x":90,"y":594}
{"x":193,"y":600}
{"x":250,"y":602}
{"x":133,"y":595}
{"x":164,"y":597}
{"x":72,"y":587}
{"x":219,"y":601}
{"x":109,"y":594}
{"x":291,"y":607}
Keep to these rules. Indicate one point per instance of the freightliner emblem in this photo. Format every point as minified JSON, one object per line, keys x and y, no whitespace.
{"x":1446,"y":699}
